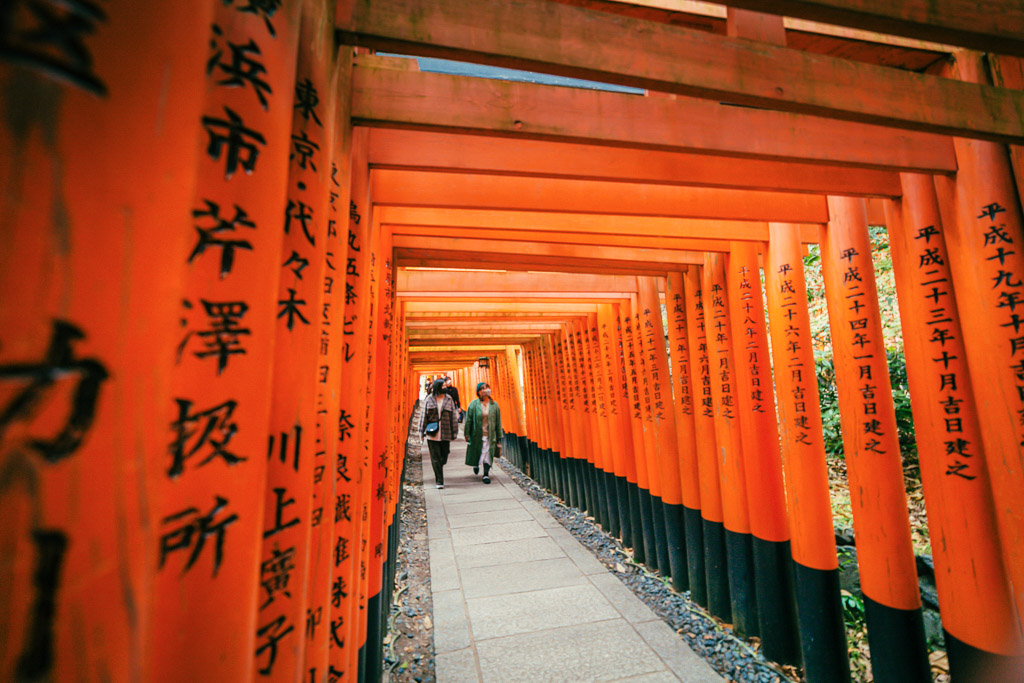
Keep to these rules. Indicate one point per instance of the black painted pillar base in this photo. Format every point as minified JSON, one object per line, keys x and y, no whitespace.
{"x":647,"y":522}
{"x":773,"y":580}
{"x":896,"y":640}
{"x":374,"y":671}
{"x":742,"y":594}
{"x":819,"y":614}
{"x":637,"y":524}
{"x":716,"y":570}
{"x":660,"y":542}
{"x":611,"y":485}
{"x":695,"y":555}
{"x":572,"y":493}
{"x":675,"y":535}
{"x":622,"y":501}
{"x":968,"y":663}
{"x":610,"y":511}
{"x":524,"y":451}
{"x":361,"y":674}
{"x":600,"y":497}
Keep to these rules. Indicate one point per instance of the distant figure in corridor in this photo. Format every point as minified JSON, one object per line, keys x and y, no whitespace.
{"x":483,"y":431}
{"x":453,"y":391}
{"x":439,"y":424}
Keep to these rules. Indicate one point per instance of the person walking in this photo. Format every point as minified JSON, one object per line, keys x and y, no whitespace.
{"x":453,"y":391}
{"x":483,"y":431}
{"x":439,"y":425}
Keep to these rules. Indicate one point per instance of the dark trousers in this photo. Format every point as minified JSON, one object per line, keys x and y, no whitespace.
{"x":438,"y":458}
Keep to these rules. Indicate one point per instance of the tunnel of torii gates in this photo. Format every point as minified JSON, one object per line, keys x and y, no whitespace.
{"x":234,"y":237}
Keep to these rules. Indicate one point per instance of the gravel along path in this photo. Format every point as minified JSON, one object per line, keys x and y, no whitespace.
{"x":409,"y":645}
{"x":733,"y":658}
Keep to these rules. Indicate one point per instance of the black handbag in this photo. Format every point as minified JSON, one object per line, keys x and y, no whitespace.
{"x":432,"y":428}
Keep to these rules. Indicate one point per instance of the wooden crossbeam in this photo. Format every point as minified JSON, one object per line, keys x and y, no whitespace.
{"x":512,"y":285}
{"x":520,"y":255}
{"x":565,"y":308}
{"x":990,"y":26}
{"x":538,"y":35}
{"x":432,"y":189}
{"x":433,"y":151}
{"x":542,"y":236}
{"x":440,"y":102}
{"x":532,"y":221}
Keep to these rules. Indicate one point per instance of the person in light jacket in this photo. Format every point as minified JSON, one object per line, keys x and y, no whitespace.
{"x":440,"y":408}
{"x":482,"y":427}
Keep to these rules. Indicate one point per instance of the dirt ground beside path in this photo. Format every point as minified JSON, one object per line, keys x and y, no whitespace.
{"x":409,"y":645}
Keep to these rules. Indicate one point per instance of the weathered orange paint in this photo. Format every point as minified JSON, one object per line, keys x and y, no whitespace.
{"x":704,"y":416}
{"x":755,"y":395}
{"x":722,"y":375}
{"x":223,"y":372}
{"x":664,"y":419}
{"x":983,"y":228}
{"x":970,"y":579}
{"x":885,"y":553}
{"x":809,"y":508}
{"x":682,"y":385}
{"x":97,"y":176}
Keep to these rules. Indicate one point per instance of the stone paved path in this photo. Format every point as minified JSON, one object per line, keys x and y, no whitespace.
{"x":517,"y":598}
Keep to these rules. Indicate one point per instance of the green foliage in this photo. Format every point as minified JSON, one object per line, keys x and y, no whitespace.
{"x":828,"y":391}
{"x":853,"y":610}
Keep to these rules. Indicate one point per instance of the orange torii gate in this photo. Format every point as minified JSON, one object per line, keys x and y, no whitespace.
{"x":180,"y":289}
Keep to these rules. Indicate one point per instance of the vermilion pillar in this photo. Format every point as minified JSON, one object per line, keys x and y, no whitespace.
{"x":715,"y":568}
{"x":294,"y":447}
{"x":97,"y":174}
{"x":353,"y":421}
{"x":729,"y":443}
{"x":979,"y":622}
{"x":755,"y":401}
{"x":984,"y":232}
{"x":624,"y":386}
{"x":566,"y":406}
{"x":885,"y":554}
{"x":341,"y":555}
{"x":378,"y":423}
{"x":686,"y":437}
{"x":611,"y":362}
{"x":211,"y":502}
{"x":646,"y":551}
{"x":816,"y":567}
{"x":664,"y":423}
{"x":646,"y":367}
{"x":606,"y":489}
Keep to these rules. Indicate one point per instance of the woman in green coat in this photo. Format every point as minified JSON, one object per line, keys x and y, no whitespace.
{"x":482,"y":428}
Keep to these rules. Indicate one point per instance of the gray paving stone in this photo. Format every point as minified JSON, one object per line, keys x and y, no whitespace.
{"x":676,"y":654}
{"x":656,"y":677}
{"x":622,"y":599}
{"x":454,"y":493}
{"x":494,"y":533}
{"x":451,"y":630}
{"x":489,"y":517}
{"x":520,"y":577}
{"x":486,"y":554}
{"x":542,"y":516}
{"x":505,"y":615}
{"x":456,"y":667}
{"x":444,"y":573}
{"x":589,"y":652}
{"x":481,"y":506}
{"x":583,"y":558}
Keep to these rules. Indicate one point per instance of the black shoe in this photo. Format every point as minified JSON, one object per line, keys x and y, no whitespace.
{"x":476,"y":470}
{"x":487,"y":480}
